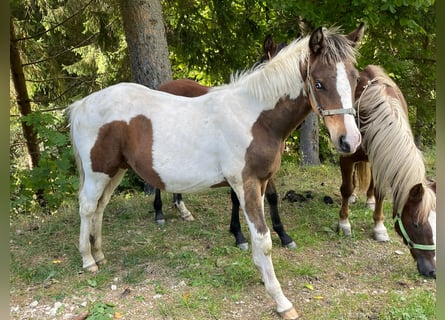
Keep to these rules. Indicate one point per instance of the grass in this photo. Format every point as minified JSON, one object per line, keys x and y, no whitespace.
{"x":192,"y":270}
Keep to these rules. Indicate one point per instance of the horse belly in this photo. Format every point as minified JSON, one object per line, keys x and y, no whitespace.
{"x":183,"y":172}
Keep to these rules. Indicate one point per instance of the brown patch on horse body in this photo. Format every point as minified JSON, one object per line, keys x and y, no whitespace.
{"x":120,"y":145}
{"x":184,"y":87}
{"x":221,"y":184}
{"x":263,"y":156}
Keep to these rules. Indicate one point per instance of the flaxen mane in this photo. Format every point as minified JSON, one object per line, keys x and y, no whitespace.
{"x":396,"y":162}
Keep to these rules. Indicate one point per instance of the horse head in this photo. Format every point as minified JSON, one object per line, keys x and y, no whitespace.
{"x":331,"y":80}
{"x":416,"y":224}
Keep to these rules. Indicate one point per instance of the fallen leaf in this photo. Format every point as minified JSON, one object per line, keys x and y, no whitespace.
{"x":309,"y":286}
{"x":318,"y":298}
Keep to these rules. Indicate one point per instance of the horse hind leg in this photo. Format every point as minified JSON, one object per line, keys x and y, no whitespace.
{"x":96,"y":245}
{"x":91,"y":191}
{"x":370,"y":196}
{"x":157,"y":205}
{"x":179,"y":204}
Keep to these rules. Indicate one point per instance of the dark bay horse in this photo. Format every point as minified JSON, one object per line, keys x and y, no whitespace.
{"x":396,"y":165}
{"x":169,"y":140}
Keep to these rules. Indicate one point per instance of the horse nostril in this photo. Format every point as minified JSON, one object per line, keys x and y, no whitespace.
{"x":344,"y":146}
{"x":433,"y":274}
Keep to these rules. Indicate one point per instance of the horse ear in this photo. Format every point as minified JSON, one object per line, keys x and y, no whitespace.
{"x":316,"y":40}
{"x":416,"y":193}
{"x":432,"y":185}
{"x":356,"y":35}
{"x":269,"y":46}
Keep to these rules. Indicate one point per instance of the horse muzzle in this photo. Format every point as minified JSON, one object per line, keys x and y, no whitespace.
{"x":426,"y":267}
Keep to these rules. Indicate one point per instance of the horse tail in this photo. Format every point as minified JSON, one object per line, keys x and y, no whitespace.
{"x":362,"y":171}
{"x":72,"y":112}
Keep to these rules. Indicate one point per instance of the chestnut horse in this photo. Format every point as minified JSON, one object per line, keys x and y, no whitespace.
{"x":233,"y":135}
{"x":396,"y":165}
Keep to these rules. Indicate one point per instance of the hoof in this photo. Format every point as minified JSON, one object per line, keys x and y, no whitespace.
{"x":160,"y":222}
{"x":344,"y":228}
{"x":381,"y":237}
{"x":352,"y":198}
{"x":380,"y":233}
{"x":92,"y":269}
{"x":102,"y":262}
{"x":188,"y":218}
{"x":291,"y":245}
{"x":243,"y":246}
{"x":370,"y":206}
{"x":290,"y":314}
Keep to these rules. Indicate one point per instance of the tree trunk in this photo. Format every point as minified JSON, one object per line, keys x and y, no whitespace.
{"x":147,"y":49}
{"x":309,"y":149}
{"x":23,"y":102}
{"x":146,"y":40}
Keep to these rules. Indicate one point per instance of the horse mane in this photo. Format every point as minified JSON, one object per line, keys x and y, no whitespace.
{"x":387,"y":139}
{"x":265,"y":80}
{"x":340,"y":47}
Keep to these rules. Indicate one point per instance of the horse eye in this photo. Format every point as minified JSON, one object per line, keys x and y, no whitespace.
{"x":358,"y":79}
{"x":318,"y":85}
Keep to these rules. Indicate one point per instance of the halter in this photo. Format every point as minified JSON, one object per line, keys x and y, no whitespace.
{"x":321,"y":111}
{"x":428,"y":247}
{"x":365,"y":87}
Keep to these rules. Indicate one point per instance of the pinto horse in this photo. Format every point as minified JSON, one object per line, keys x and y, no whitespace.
{"x":233,"y":135}
{"x":190,"y":88}
{"x":396,"y":164}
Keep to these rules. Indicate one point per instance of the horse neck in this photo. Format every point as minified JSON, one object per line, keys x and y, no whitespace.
{"x":279,"y":78}
{"x":286,"y":116}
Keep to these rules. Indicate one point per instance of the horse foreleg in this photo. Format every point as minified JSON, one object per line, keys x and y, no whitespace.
{"x":179,"y":204}
{"x":272,"y":200}
{"x":380,"y":232}
{"x":346,"y":189}
{"x":252,"y":203}
{"x":235,"y":227}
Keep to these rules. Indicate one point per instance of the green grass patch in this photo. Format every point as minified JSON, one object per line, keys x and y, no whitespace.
{"x":192,"y":270}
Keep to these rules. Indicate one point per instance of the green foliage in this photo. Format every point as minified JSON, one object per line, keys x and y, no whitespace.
{"x":101,"y":311}
{"x":56,"y":174}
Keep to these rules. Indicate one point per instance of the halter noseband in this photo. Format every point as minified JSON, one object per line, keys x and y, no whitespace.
{"x":321,"y":111}
{"x":428,"y":247}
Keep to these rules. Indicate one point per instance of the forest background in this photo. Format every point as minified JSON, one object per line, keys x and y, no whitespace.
{"x":67,"y":49}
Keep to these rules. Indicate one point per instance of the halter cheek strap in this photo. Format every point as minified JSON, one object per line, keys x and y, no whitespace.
{"x":320,"y":110}
{"x":427,"y":247}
